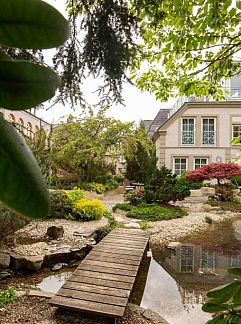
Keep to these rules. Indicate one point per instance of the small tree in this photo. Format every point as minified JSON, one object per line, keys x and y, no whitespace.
{"x":219,"y":172}
{"x":163,"y":187}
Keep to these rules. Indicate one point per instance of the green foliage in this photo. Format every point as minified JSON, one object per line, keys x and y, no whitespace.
{"x":134,"y":198}
{"x":74,"y":195}
{"x":99,"y":188}
{"x":104,"y":230}
{"x":7,"y":296}
{"x":151,"y":212}
{"x":236,"y":180}
{"x":22,"y":186}
{"x":10,"y":221}
{"x":88,"y":210}
{"x":163,"y":187}
{"x":154,"y":212}
{"x":141,"y":164}
{"x":225,"y":301}
{"x":25,"y":24}
{"x":125,"y":207}
{"x":208,"y":219}
{"x":144,"y":225}
{"x":60,"y":205}
{"x":87,"y":147}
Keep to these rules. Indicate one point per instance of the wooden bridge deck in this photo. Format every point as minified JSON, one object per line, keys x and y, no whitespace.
{"x":103,"y":281}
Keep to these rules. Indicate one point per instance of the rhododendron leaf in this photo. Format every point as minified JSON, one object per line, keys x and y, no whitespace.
{"x":31,"y":24}
{"x":22,"y":186}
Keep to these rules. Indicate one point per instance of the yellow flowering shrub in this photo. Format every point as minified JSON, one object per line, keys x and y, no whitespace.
{"x":88,"y":209}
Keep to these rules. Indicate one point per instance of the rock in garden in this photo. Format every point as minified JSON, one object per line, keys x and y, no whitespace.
{"x":4,"y":275}
{"x":132,"y":225}
{"x":26,"y":263}
{"x":55,"y":232}
{"x":4,"y":261}
{"x":59,"y":266}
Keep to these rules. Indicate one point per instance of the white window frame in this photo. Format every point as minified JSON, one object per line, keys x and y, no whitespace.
{"x":207,"y":258}
{"x":239,"y":131}
{"x":191,"y":132}
{"x":187,"y":257}
{"x":215,"y":131}
{"x":199,"y":157}
{"x":179,"y":157}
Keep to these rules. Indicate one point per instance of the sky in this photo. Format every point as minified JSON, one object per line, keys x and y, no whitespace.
{"x":138,"y":105}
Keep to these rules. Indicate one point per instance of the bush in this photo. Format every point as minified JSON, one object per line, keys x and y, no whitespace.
{"x":135,"y":198}
{"x":164,"y":187}
{"x":6,"y":296}
{"x":10,"y":221}
{"x":111,"y":184}
{"x":60,"y":204}
{"x":88,"y":210}
{"x":99,"y":188}
{"x":74,"y":195}
{"x":236,"y":180}
{"x":125,"y":207}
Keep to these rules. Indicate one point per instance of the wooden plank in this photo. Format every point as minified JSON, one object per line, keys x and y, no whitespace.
{"x":111,"y":245}
{"x":126,"y":242}
{"x":93,"y":307}
{"x":101,"y":282}
{"x":93,"y":297}
{"x":127,"y":236}
{"x":105,"y":276}
{"x":94,"y":268}
{"x":139,"y":234}
{"x":116,"y":254}
{"x":107,"y":264}
{"x":117,"y":250}
{"x":98,"y":256}
{"x":100,"y":290}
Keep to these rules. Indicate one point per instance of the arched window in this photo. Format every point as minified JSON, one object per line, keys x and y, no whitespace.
{"x":11,"y":119}
{"x":29,"y":130}
{"x":21,"y":125}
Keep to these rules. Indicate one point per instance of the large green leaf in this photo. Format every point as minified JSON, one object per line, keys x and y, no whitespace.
{"x":22,"y":186}
{"x":214,"y":308}
{"x":31,"y":24}
{"x":235,"y":271}
{"x":224,"y":292}
{"x":24,"y":84}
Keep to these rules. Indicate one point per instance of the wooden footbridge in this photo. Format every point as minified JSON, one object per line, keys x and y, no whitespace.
{"x":103,"y":281}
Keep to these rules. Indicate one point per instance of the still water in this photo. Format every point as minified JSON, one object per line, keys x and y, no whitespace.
{"x":177,"y":280}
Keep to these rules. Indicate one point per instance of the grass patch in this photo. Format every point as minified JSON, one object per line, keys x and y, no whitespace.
{"x":151,"y":212}
{"x":6,"y":296}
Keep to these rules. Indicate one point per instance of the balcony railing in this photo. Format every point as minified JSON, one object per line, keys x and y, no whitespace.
{"x":188,"y":138}
{"x":233,"y":94}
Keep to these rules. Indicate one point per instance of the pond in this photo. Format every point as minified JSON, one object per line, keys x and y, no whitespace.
{"x":177,"y":281}
{"x":174,"y":283}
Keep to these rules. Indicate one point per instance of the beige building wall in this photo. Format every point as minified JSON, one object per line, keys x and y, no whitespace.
{"x":27,"y":118}
{"x":168,"y":139}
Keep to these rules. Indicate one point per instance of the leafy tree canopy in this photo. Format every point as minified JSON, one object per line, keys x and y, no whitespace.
{"x":181,"y":45}
{"x":81,"y":145}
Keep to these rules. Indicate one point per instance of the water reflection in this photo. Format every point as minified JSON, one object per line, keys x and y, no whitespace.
{"x":178,"y":280}
{"x":54,"y":283}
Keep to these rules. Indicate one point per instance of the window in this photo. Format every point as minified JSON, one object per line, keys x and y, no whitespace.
{"x":236,"y":134}
{"x":188,"y":131}
{"x":236,"y":261}
{"x":186,"y":258}
{"x":208,"y":131}
{"x":200,"y":162}
{"x":207,"y":261}
{"x":180,"y":165}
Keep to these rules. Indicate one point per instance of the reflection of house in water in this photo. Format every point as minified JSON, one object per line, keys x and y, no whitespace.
{"x":197,"y":269}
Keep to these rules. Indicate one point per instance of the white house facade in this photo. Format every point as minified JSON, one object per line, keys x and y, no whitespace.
{"x":199,"y":133}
